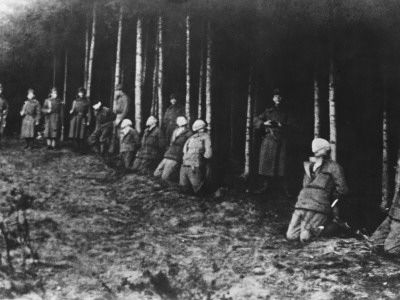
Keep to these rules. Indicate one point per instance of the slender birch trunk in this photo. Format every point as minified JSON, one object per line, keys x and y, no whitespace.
{"x":385,"y":168}
{"x":332,"y":113}
{"x":200,"y":102}
{"x":91,"y":54}
{"x":208,"y":77}
{"x":117,"y":77}
{"x":138,"y":77}
{"x":187,"y":100}
{"x":87,"y":41}
{"x":249,"y":119}
{"x":317,"y":124}
{"x":144,"y":56}
{"x":160,"y":70}
{"x":54,"y":69}
{"x":154,"y":102}
{"x":64,"y":92}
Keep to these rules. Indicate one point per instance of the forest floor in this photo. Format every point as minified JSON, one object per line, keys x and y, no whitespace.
{"x":101,"y":234}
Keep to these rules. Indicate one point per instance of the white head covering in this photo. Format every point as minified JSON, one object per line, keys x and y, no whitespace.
{"x":181,"y":121}
{"x":125,"y":123}
{"x":198,"y":124}
{"x":97,"y":105}
{"x":151,"y":121}
{"x":319,"y":144}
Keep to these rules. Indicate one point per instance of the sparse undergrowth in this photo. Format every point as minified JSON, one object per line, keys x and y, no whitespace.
{"x":129,"y":238}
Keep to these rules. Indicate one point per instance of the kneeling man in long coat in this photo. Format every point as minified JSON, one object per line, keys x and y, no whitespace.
{"x":323,"y":183}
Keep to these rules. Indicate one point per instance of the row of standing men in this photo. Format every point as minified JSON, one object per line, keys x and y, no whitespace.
{"x":171,"y":151}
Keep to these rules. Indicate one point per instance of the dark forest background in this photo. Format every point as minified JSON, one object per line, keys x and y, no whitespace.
{"x":283,"y":43}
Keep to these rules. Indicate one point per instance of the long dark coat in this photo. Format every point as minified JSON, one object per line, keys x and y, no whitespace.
{"x":3,"y":111}
{"x":121,"y":107}
{"x":169,"y":120}
{"x":153,"y":144}
{"x":31,"y":116}
{"x":81,"y":115}
{"x":273,"y":152}
{"x":53,"y":118}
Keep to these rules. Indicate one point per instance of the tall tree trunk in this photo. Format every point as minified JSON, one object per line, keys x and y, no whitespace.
{"x":154,"y":105}
{"x":138,"y":77}
{"x":332,"y":113}
{"x":385,"y":168}
{"x":87,"y":43}
{"x":187,"y":100}
{"x":64,"y":92}
{"x":160,"y":70}
{"x":200,"y":102}
{"x":249,"y":119}
{"x":397,"y":184}
{"x":54,"y":69}
{"x":91,"y":54}
{"x":208,"y":77}
{"x":317,"y":124}
{"x":144,"y":57}
{"x":117,"y":79}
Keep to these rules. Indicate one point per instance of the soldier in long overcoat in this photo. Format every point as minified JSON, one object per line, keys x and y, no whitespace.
{"x":3,"y":112}
{"x":31,"y":117}
{"x":174,"y":111}
{"x":121,"y":108}
{"x":53,"y":110}
{"x":152,"y":148}
{"x":274,"y":123}
{"x":81,"y":119}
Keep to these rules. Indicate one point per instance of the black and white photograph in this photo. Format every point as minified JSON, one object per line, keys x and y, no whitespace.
{"x":199,"y":149}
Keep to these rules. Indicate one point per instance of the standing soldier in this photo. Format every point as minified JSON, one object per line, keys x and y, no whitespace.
{"x":31,"y":117}
{"x":81,"y":118}
{"x":101,"y":136}
{"x":196,"y":153}
{"x":275,"y":123}
{"x":174,"y":111}
{"x":54,"y":115}
{"x":169,"y":167}
{"x":152,"y":148}
{"x":3,"y":112}
{"x":121,"y":110}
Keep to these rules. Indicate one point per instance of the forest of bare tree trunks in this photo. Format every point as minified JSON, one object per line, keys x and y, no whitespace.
{"x":223,"y":59}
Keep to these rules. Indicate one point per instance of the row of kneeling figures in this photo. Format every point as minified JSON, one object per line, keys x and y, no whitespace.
{"x":180,"y":155}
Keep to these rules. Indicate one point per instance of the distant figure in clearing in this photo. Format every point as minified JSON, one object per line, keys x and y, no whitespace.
{"x":152,"y":149}
{"x":387,"y":236}
{"x":196,"y":153}
{"x":174,"y":111}
{"x":169,"y":167}
{"x":31,"y":117}
{"x":323,"y":183}
{"x":129,"y":143}
{"x":81,"y":119}
{"x":54,"y":115}
{"x":121,"y":107}
{"x":101,"y":137}
{"x":3,"y":112}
